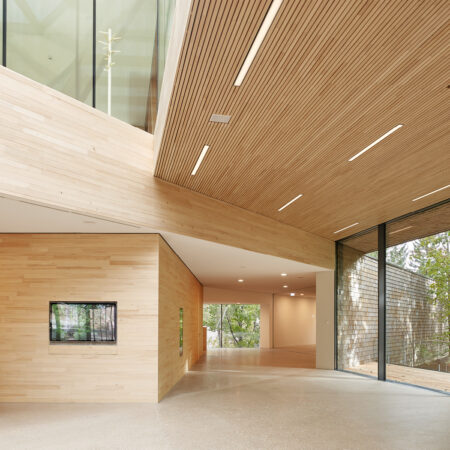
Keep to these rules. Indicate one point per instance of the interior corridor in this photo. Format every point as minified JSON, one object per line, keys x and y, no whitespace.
{"x":257,"y":360}
{"x":244,"y":399}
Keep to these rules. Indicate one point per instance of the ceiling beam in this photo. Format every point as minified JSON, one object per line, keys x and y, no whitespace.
{"x":56,"y":151}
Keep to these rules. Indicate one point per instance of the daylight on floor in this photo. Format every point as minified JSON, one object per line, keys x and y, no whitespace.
{"x":224,"y":224}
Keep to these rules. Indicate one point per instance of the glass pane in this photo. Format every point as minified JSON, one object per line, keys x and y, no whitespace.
{"x":181,"y":332}
{"x":418,"y":310}
{"x":357,"y":304}
{"x":232,"y":326}
{"x":123,"y":82}
{"x":240,"y":326}
{"x":212,"y":321}
{"x":50,"y":41}
{"x":82,"y":322}
{"x":165,"y":14}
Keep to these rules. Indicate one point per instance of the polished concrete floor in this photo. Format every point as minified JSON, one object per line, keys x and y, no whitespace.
{"x":244,"y":399}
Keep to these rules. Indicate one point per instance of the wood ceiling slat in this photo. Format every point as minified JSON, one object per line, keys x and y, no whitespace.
{"x":191,"y":108}
{"x":203,"y":87}
{"x":291,"y":197}
{"x":329,"y":79}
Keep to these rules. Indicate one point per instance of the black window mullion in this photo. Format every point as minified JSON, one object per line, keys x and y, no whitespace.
{"x":4,"y":34}
{"x":94,"y":48}
{"x":382,"y":301}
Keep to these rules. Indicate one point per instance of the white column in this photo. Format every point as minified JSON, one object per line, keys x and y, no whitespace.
{"x":325,"y":320}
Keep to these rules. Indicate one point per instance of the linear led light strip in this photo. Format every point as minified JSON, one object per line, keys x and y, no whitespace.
{"x":376,"y":142}
{"x":271,"y":13}
{"x":430,"y":193}
{"x":291,"y":201}
{"x":346,"y":228}
{"x":200,"y":159}
{"x":401,"y":229}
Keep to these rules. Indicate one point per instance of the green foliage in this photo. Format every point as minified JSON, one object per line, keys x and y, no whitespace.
{"x":240,"y":325}
{"x":431,"y":258}
{"x":181,"y":332}
{"x":397,"y":255}
{"x":82,"y":322}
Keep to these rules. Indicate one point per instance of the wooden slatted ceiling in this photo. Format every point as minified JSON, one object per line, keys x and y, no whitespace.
{"x":329,"y":79}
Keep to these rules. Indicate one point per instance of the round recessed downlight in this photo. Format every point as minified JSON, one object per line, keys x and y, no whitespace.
{"x":284,"y":274}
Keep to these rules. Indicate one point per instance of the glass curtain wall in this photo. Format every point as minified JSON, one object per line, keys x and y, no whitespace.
{"x":51,"y":42}
{"x":357,"y":304}
{"x":417,"y":299}
{"x":412,"y":342}
{"x":123,"y":80}
{"x":56,"y":42}
{"x":232,"y":326}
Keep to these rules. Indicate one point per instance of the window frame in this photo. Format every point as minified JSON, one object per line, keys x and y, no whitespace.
{"x":61,"y":302}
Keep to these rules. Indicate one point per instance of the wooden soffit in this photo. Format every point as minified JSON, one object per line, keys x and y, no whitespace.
{"x":330,"y":78}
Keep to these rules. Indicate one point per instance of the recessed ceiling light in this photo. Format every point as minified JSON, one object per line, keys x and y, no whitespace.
{"x":292,"y":294}
{"x":285,"y":286}
{"x":346,"y":228}
{"x":291,"y":201}
{"x":284,"y":274}
{"x":240,"y":280}
{"x":302,"y":294}
{"x":433,"y":192}
{"x":401,"y":229}
{"x":271,"y":13}
{"x":200,"y":159}
{"x":219,"y":118}
{"x":376,"y":142}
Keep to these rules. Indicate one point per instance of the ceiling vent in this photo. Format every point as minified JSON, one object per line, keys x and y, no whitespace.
{"x":220,"y":118}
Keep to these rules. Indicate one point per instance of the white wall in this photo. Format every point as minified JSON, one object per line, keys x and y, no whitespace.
{"x":285,"y":321}
{"x":227,"y":296}
{"x":294,"y":321}
{"x":325,"y":320}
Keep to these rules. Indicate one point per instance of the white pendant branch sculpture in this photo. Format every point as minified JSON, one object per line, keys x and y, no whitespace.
{"x":108,"y":58}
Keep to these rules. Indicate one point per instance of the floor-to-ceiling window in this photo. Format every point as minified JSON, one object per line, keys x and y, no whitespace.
{"x":232,"y":325}
{"x":392,"y":300}
{"x":417,"y":299}
{"x":357,"y":303}
{"x":123,"y":83}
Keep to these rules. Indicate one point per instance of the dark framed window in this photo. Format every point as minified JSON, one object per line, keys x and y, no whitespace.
{"x":83,"y":322}
{"x":181,"y":332}
{"x":392,"y":300}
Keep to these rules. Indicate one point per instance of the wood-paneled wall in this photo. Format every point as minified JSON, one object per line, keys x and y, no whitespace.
{"x":58,"y":152}
{"x":140,"y":272}
{"x":38,"y":268}
{"x":178,"y":288}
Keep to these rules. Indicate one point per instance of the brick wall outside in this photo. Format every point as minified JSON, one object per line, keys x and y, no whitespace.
{"x":410,"y":318}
